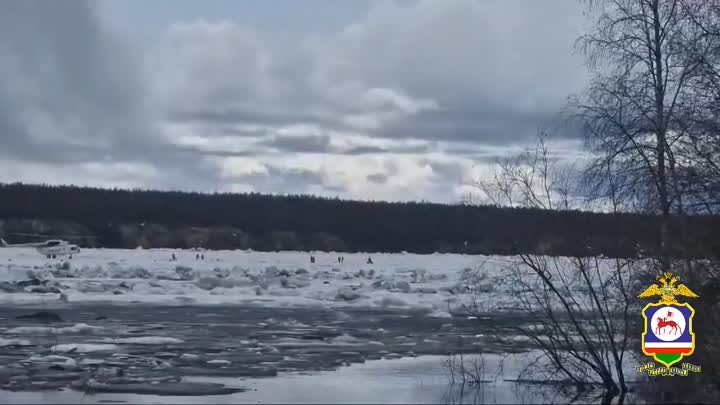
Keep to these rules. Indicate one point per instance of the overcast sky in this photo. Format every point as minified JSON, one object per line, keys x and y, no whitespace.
{"x":387,"y":99}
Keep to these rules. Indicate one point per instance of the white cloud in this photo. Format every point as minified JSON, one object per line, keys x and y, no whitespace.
{"x":96,"y":174}
{"x":232,"y":167}
{"x":516,"y":55}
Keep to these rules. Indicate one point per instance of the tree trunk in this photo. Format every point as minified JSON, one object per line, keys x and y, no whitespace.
{"x":661,"y":138}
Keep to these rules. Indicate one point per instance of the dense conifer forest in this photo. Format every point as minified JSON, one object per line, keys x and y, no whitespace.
{"x":131,"y":218}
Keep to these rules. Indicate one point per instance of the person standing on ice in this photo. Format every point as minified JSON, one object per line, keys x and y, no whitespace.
{"x":369,"y":260}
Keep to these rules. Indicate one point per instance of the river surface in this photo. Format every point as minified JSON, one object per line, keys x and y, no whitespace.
{"x":115,"y":348}
{"x":422,"y":379}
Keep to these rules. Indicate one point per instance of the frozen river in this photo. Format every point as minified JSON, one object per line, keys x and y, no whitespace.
{"x":110,"y":325}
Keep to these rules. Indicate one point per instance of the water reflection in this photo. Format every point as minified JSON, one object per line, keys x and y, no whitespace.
{"x":502,"y":392}
{"x":424,"y":379}
{"x":489,"y":378}
{"x":498,"y":393}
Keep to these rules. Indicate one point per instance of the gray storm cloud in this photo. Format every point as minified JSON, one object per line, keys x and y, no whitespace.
{"x":418,"y":87}
{"x":74,"y":96}
{"x":70,"y":91}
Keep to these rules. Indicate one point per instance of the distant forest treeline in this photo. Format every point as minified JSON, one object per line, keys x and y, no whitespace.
{"x":129,"y":218}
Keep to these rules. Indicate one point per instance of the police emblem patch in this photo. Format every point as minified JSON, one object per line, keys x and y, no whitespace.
{"x":668,"y":325}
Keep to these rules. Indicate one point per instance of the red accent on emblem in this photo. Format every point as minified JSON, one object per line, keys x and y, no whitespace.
{"x":673,"y":350}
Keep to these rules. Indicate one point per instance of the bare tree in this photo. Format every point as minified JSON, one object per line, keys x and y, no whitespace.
{"x":580,"y":305}
{"x":699,"y":153}
{"x":642,"y":87}
{"x":652,"y":118}
{"x":533,"y":178}
{"x":467,"y":376}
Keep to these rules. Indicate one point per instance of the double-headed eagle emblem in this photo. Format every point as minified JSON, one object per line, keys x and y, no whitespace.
{"x":668,"y":290}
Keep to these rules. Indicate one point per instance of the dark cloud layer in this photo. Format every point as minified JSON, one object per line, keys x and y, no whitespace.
{"x":375,"y":150}
{"x":74,"y":92}
{"x":301,"y":143}
{"x":240,"y":116}
{"x":69,"y":90}
{"x":377,"y":178}
{"x":482,"y":124}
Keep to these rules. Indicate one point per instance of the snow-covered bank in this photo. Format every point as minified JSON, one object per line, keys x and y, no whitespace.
{"x":441,"y":283}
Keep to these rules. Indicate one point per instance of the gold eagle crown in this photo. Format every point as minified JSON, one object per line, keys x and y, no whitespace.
{"x":668,"y":290}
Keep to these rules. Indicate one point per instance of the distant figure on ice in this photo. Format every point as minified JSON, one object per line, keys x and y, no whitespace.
{"x":339,"y":259}
{"x":197,"y":256}
{"x":202,"y":256}
{"x":173,"y":257}
{"x":312,"y":259}
{"x":369,"y":261}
